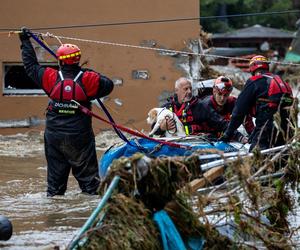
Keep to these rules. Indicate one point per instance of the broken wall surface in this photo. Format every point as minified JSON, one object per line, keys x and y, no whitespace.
{"x":141,"y":76}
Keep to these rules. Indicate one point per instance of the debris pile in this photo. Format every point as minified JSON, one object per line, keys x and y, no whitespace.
{"x":249,"y":208}
{"x":127,"y":225}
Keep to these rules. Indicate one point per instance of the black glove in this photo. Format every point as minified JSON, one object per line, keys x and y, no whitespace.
{"x":24,"y":34}
{"x":224,"y":138}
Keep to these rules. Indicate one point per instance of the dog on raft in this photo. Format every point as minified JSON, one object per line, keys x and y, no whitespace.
{"x":158,"y":115}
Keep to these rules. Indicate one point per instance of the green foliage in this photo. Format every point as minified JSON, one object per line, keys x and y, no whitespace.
{"x":278,"y":185}
{"x":231,"y":7}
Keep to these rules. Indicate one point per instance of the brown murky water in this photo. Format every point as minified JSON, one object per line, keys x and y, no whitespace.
{"x":38,"y":222}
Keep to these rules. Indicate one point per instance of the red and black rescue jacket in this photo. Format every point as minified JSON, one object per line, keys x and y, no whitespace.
{"x":225,"y":111}
{"x":186,"y":114}
{"x":74,"y":82}
{"x":250,"y":102}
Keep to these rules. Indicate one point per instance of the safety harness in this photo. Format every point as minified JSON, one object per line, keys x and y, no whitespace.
{"x":185,"y":115}
{"x":279,"y":92}
{"x":68,"y":89}
{"x":65,"y":90}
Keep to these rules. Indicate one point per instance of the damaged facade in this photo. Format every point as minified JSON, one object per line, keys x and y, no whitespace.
{"x":142,"y":77}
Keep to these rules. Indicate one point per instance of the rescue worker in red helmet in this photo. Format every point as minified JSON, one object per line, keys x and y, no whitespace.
{"x":68,"y":54}
{"x":69,"y":137}
{"x":223,"y":103}
{"x":263,"y":95}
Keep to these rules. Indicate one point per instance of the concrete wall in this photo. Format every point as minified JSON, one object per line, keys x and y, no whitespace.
{"x":137,"y":96}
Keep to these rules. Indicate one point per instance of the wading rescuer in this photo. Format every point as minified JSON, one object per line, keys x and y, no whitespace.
{"x":223,"y":103}
{"x":69,"y":137}
{"x":263,"y":95}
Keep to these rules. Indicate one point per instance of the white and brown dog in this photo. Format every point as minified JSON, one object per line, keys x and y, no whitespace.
{"x":158,"y":115}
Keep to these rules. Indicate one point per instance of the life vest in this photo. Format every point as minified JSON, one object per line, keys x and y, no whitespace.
{"x":185,"y":115}
{"x":279,"y":92}
{"x":66,"y":90}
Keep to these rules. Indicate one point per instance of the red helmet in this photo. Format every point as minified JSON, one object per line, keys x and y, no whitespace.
{"x":68,"y":53}
{"x":258,"y":62}
{"x":223,"y":85}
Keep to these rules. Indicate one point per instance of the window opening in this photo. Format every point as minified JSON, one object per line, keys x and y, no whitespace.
{"x":16,"y":81}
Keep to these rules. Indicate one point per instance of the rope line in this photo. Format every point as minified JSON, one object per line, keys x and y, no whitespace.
{"x":171,"y":51}
{"x":160,"y":20}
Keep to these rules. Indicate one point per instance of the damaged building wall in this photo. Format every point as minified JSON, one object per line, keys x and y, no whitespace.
{"x":189,"y":64}
{"x":140,"y":75}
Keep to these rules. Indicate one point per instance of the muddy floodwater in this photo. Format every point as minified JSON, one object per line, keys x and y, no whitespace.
{"x":39,"y":222}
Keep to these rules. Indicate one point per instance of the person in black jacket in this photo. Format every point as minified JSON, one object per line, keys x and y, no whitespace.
{"x":263,"y":95}
{"x":69,"y":137}
{"x":223,"y":103}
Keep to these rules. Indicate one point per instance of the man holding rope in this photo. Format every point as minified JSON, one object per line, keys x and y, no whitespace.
{"x":69,"y":137}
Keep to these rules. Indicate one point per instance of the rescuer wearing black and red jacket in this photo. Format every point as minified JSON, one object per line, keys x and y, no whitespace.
{"x":262,"y":98}
{"x":193,"y":113}
{"x":221,"y":102}
{"x":69,"y":137}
